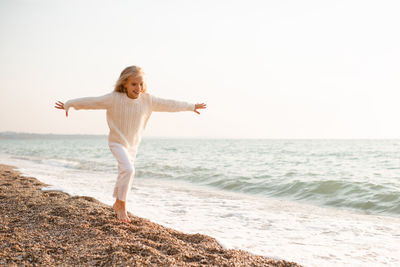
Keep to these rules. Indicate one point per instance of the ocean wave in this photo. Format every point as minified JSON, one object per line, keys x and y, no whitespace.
{"x":366,"y":197}
{"x":307,"y":187}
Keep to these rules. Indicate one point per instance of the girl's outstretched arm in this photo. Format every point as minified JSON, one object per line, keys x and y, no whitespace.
{"x":168,"y":105}
{"x":100,"y":102}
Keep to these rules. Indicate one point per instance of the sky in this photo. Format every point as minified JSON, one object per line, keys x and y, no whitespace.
{"x":266,"y":69}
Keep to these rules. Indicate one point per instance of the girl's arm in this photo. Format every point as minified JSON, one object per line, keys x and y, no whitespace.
{"x":100,"y":102}
{"x":167,"y":105}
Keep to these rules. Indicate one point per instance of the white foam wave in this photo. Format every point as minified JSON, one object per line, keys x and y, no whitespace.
{"x":61,"y":163}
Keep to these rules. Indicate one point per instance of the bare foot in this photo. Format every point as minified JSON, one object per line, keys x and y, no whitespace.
{"x":120,"y":210}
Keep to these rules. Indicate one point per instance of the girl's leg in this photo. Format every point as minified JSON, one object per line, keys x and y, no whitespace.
{"x":124,"y":180}
{"x":126,"y":171}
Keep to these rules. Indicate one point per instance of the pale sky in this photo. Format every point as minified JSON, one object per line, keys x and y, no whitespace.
{"x":266,"y":69}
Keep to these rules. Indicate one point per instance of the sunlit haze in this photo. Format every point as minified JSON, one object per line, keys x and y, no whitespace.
{"x":266,"y":69}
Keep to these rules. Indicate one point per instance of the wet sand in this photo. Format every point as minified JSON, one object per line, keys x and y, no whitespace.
{"x":47,"y":228}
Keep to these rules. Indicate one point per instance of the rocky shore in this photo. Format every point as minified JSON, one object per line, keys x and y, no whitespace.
{"x":50,"y":228}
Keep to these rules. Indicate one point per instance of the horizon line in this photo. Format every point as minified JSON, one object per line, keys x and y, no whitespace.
{"x":13,"y":133}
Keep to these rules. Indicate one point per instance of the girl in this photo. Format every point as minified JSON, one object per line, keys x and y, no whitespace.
{"x":128,"y":109}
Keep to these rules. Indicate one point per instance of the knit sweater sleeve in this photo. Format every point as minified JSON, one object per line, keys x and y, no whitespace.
{"x":167,"y":105}
{"x":100,"y":102}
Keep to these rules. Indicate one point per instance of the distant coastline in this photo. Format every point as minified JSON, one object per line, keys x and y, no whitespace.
{"x":25,"y":135}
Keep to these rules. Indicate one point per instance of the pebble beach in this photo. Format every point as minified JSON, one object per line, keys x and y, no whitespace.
{"x":48,"y":228}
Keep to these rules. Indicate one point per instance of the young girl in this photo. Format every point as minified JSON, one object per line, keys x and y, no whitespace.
{"x":128,"y":109}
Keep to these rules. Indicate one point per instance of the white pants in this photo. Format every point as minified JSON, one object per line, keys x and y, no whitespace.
{"x":126,"y":169}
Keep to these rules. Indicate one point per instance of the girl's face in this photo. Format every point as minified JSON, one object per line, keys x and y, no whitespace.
{"x":134,"y":86}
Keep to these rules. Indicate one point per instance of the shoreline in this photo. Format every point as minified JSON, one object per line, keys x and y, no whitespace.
{"x":52,"y":228}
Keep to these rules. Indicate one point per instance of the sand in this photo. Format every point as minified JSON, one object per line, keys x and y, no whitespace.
{"x":48,"y":228}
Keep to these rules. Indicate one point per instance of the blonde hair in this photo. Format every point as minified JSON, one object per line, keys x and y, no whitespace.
{"x":125,"y":74}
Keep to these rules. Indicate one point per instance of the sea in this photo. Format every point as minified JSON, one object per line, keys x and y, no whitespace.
{"x":314,"y":202}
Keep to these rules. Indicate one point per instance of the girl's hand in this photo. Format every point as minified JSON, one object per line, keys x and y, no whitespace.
{"x":60,"y":105}
{"x":199,"y":106}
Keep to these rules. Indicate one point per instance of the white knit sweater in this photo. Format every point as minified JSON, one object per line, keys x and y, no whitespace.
{"x":126,"y":117}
